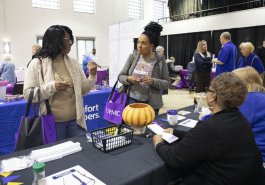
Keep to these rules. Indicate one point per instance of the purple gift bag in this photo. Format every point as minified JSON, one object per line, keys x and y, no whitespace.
{"x":115,"y":105}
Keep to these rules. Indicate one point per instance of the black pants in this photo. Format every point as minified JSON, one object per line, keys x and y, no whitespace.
{"x":202,"y":80}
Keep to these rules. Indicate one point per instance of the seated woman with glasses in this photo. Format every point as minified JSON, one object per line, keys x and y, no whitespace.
{"x":61,"y":80}
{"x":220,"y":150}
{"x":254,"y":106}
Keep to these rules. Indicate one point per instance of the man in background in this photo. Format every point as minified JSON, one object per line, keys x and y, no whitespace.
{"x":94,"y":51}
{"x":89,"y":56}
{"x":226,"y":61}
{"x":260,"y":51}
{"x":160,"y":51}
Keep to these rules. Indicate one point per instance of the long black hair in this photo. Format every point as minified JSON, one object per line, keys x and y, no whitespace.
{"x":53,"y":41}
{"x":152,"y":31}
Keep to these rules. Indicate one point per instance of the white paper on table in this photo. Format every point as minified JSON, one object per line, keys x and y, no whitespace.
{"x":181,"y":117}
{"x":170,"y":138}
{"x":183,"y":112}
{"x":189,"y":123}
{"x":66,"y":177}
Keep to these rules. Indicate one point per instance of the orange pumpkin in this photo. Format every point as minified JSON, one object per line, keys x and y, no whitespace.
{"x":138,"y":114}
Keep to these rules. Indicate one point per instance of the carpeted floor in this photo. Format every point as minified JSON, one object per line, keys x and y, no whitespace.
{"x":176,"y":99}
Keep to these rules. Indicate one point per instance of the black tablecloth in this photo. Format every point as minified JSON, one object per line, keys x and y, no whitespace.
{"x":135,"y":164}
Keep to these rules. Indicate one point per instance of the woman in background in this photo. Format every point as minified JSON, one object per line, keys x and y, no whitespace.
{"x":61,"y":80}
{"x":35,"y":49}
{"x":249,"y":58}
{"x":145,"y":71}
{"x":7,"y":71}
{"x":254,"y":106}
{"x":203,"y":66}
{"x":220,"y":150}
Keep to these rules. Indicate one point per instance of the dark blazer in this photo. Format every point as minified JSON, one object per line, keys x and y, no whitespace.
{"x":203,"y":63}
{"x":218,"y":151}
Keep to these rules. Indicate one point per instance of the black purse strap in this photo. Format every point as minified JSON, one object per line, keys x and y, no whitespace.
{"x":112,"y":90}
{"x":48,"y":108}
{"x":30,"y":101}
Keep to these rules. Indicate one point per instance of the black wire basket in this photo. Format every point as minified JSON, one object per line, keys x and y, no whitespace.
{"x":111,"y":138}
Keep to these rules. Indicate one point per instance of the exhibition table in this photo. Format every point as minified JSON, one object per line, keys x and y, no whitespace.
{"x":134,"y":164}
{"x":11,"y":113}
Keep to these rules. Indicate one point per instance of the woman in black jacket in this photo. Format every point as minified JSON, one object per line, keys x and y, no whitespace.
{"x":220,"y":150}
{"x":203,"y":66}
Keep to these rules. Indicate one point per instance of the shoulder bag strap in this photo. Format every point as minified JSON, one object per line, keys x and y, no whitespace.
{"x":113,"y":89}
{"x":253,"y":60}
{"x":29,"y":102}
{"x":48,"y":108}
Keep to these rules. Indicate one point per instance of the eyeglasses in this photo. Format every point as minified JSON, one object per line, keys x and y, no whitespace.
{"x":91,"y":180}
{"x":207,"y":89}
{"x":71,"y":42}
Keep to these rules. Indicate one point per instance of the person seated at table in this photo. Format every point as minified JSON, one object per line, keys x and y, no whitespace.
{"x":254,"y":106}
{"x":203,"y":66}
{"x":7,"y":71}
{"x":173,"y":72}
{"x":146,"y":72}
{"x":220,"y":150}
{"x":249,"y":58}
{"x":61,"y":80}
{"x":191,"y":78}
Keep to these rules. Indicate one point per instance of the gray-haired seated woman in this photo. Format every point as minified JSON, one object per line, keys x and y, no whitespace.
{"x":221,"y":149}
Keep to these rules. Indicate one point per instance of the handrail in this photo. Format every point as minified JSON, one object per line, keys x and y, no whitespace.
{"x":212,"y":9}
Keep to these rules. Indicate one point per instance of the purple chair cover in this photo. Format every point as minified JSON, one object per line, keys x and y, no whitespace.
{"x":184,"y":79}
{"x":9,"y":88}
{"x":101,"y":75}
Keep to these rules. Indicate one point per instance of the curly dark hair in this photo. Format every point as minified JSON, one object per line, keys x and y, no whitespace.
{"x":230,"y":90}
{"x":152,"y":31}
{"x":53,"y":41}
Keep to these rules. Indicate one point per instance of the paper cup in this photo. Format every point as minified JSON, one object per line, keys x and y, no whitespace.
{"x":172,"y":117}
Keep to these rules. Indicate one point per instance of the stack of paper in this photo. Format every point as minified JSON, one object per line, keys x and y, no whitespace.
{"x":170,"y":138}
{"x":189,"y":123}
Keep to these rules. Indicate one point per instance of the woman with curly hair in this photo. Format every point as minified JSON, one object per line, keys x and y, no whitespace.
{"x":221,"y":149}
{"x":145,"y":71}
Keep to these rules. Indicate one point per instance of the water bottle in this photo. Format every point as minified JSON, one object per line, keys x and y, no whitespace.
{"x":39,"y":172}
